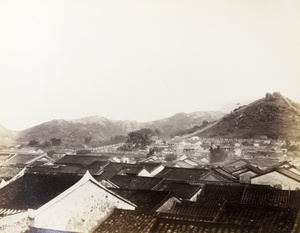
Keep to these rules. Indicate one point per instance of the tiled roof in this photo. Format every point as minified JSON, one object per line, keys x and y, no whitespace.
{"x":37,"y":163}
{"x":80,"y":159}
{"x":266,"y":163}
{"x":271,"y":219}
{"x":22,"y":159}
{"x":195,"y":210}
{"x":72,"y":169}
{"x":125,"y":221}
{"x":135,"y":182}
{"x":114,"y":167}
{"x":289,"y":174}
{"x":173,"y":173}
{"x":150,"y":167}
{"x":93,"y":168}
{"x":144,"y":199}
{"x":182,"y":190}
{"x":183,"y":164}
{"x":7,"y":173}
{"x":37,"y":170}
{"x":104,"y":175}
{"x":258,"y":195}
{"x":170,"y":225}
{"x":133,"y":169}
{"x":246,"y":168}
{"x":4,"y":212}
{"x":223,"y":173}
{"x":216,"y":195}
{"x":34,"y":190}
{"x":133,"y":221}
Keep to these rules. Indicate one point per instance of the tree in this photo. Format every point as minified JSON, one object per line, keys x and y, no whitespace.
{"x":170,"y":157}
{"x":153,"y":150}
{"x":33,"y":143}
{"x":205,"y":123}
{"x":45,"y":144}
{"x":87,"y":140}
{"x":140,"y":139}
{"x":217,"y":154}
{"x":55,"y":141}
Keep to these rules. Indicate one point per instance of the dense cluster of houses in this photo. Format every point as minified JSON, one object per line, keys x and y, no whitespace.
{"x":98,"y":193}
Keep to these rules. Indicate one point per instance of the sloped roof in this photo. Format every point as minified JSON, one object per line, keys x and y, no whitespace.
{"x":134,"y":221}
{"x":182,"y":190}
{"x":36,"y":170}
{"x":218,"y":174}
{"x":247,"y":168}
{"x":114,"y":167}
{"x":127,"y":221}
{"x":259,"y":195}
{"x":135,"y":182}
{"x":133,"y":169}
{"x":150,"y":167}
{"x":80,"y":159}
{"x":183,"y":164}
{"x":93,"y":168}
{"x":289,"y":173}
{"x":33,"y":190}
{"x":9,"y":172}
{"x":237,"y":163}
{"x":171,"y":225}
{"x":216,"y":195}
{"x":144,"y":199}
{"x":174,"y":173}
{"x":22,"y":159}
{"x":222,"y":172}
{"x":195,"y":210}
{"x":272,"y":219}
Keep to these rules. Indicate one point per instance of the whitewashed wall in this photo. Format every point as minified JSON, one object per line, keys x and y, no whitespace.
{"x":275,"y":178}
{"x":81,"y":210}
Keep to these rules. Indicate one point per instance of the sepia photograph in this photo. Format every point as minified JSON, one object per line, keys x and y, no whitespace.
{"x":138,"y":116}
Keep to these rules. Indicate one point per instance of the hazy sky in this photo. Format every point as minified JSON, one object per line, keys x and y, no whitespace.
{"x":142,"y":59}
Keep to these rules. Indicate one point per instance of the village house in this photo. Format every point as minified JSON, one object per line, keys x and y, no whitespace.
{"x":123,"y":221}
{"x":153,"y":168}
{"x":135,"y":182}
{"x":148,"y":200}
{"x":61,"y":202}
{"x":181,"y":189}
{"x":245,"y":173}
{"x":186,"y":174}
{"x":278,"y":177}
{"x":28,"y":159}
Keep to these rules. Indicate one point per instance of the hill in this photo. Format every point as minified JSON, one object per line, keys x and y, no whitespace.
{"x":274,"y":116}
{"x":6,"y":137}
{"x":99,"y":129}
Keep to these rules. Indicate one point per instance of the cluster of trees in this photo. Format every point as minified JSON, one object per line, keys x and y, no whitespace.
{"x":138,"y":139}
{"x":51,"y":142}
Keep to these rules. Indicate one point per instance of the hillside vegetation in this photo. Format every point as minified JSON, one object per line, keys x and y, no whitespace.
{"x":274,"y":116}
{"x":97,"y":130}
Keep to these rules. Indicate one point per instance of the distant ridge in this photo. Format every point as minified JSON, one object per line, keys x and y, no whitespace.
{"x":101,"y":128}
{"x":274,"y":116}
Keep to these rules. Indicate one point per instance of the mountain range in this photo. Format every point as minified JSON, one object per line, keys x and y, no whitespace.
{"x":74,"y":132}
{"x":273,"y":116}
